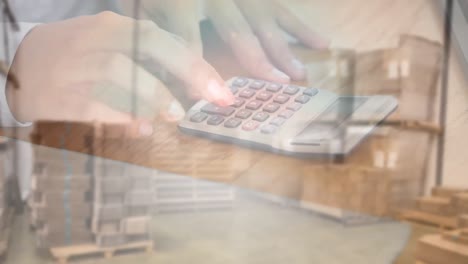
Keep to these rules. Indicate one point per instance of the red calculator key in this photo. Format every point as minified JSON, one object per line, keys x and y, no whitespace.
{"x":250,"y":125}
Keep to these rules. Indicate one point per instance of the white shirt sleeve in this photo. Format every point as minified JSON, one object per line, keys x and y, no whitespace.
{"x":15,"y":38}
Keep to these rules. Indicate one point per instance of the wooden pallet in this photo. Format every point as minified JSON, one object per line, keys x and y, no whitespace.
{"x":64,"y":254}
{"x":442,"y":222}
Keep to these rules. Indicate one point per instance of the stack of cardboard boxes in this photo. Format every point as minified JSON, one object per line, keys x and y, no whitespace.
{"x":446,"y":207}
{"x":448,"y":247}
{"x":79,"y":199}
{"x":123,"y":192}
{"x":388,"y":170}
{"x":122,"y":207}
{"x":62,"y":191}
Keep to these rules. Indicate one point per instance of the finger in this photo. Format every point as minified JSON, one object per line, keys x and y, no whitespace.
{"x":292,"y":24}
{"x":127,"y":87}
{"x":183,"y":20}
{"x":279,"y":51}
{"x":236,"y":32}
{"x":160,"y":46}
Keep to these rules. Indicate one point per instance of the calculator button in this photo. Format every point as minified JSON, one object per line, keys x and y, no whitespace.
{"x":281,"y":98}
{"x":250,"y":125}
{"x":311,"y":91}
{"x":215,"y":120}
{"x":240,"y":82}
{"x":260,"y":116}
{"x":199,"y":117}
{"x":247,"y":93}
{"x":274,"y":87}
{"x":271,"y":108}
{"x":233,"y":123}
{"x":234,"y":89}
{"x":302,"y":99}
{"x":278,"y":121}
{"x":269,"y":129}
{"x":264,"y":96}
{"x":286,"y":114}
{"x":238,"y":102}
{"x":257,"y":85}
{"x":217,"y":110}
{"x":291,"y":90}
{"x":254,"y":105}
{"x":244,"y":114}
{"x":294,"y":106}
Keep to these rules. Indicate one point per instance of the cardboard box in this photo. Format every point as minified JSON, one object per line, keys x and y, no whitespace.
{"x":435,"y":249}
{"x":53,"y":235}
{"x":133,"y":211}
{"x":436,"y":205}
{"x":59,"y":198}
{"x":136,"y":225}
{"x":460,"y":203}
{"x":139,"y":198}
{"x":446,"y":192}
{"x":112,"y":185}
{"x":106,"y":227}
{"x":111,"y":240}
{"x":109,"y":212}
{"x":463,"y":221}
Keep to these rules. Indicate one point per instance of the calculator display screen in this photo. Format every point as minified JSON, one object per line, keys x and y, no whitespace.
{"x":334,"y":116}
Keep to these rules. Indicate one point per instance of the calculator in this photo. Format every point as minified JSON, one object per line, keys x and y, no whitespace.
{"x":289,"y":119}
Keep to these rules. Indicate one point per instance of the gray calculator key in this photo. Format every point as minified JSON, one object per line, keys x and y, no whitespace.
{"x":254,"y":105}
{"x":269,"y":129}
{"x":199,"y":117}
{"x":218,"y":110}
{"x":291,"y":90}
{"x":303,"y":99}
{"x":294,"y":106}
{"x":286,"y":114}
{"x":234,"y":89}
{"x":311,"y":91}
{"x":257,"y":85}
{"x":271,"y":108}
{"x":247,"y":93}
{"x":233,"y":123}
{"x":261,"y":116}
{"x":264,"y":96}
{"x":278,"y":121}
{"x":250,"y":125}
{"x":238,"y":102}
{"x":281,"y":98}
{"x":240,"y":82}
{"x":244,"y":114}
{"x":215,"y":120}
{"x":274,"y":87}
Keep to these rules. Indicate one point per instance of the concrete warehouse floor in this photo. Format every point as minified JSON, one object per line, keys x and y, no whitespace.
{"x":254,"y":232}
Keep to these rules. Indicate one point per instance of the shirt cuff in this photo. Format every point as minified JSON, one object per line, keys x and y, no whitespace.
{"x":6,"y":117}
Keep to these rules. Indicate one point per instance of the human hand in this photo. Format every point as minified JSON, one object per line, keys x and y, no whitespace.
{"x":82,"y":70}
{"x":254,"y":31}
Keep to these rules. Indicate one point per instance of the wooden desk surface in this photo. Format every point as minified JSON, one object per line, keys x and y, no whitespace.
{"x":355,"y":24}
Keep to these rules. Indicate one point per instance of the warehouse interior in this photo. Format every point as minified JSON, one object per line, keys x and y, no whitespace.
{"x":99,"y":194}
